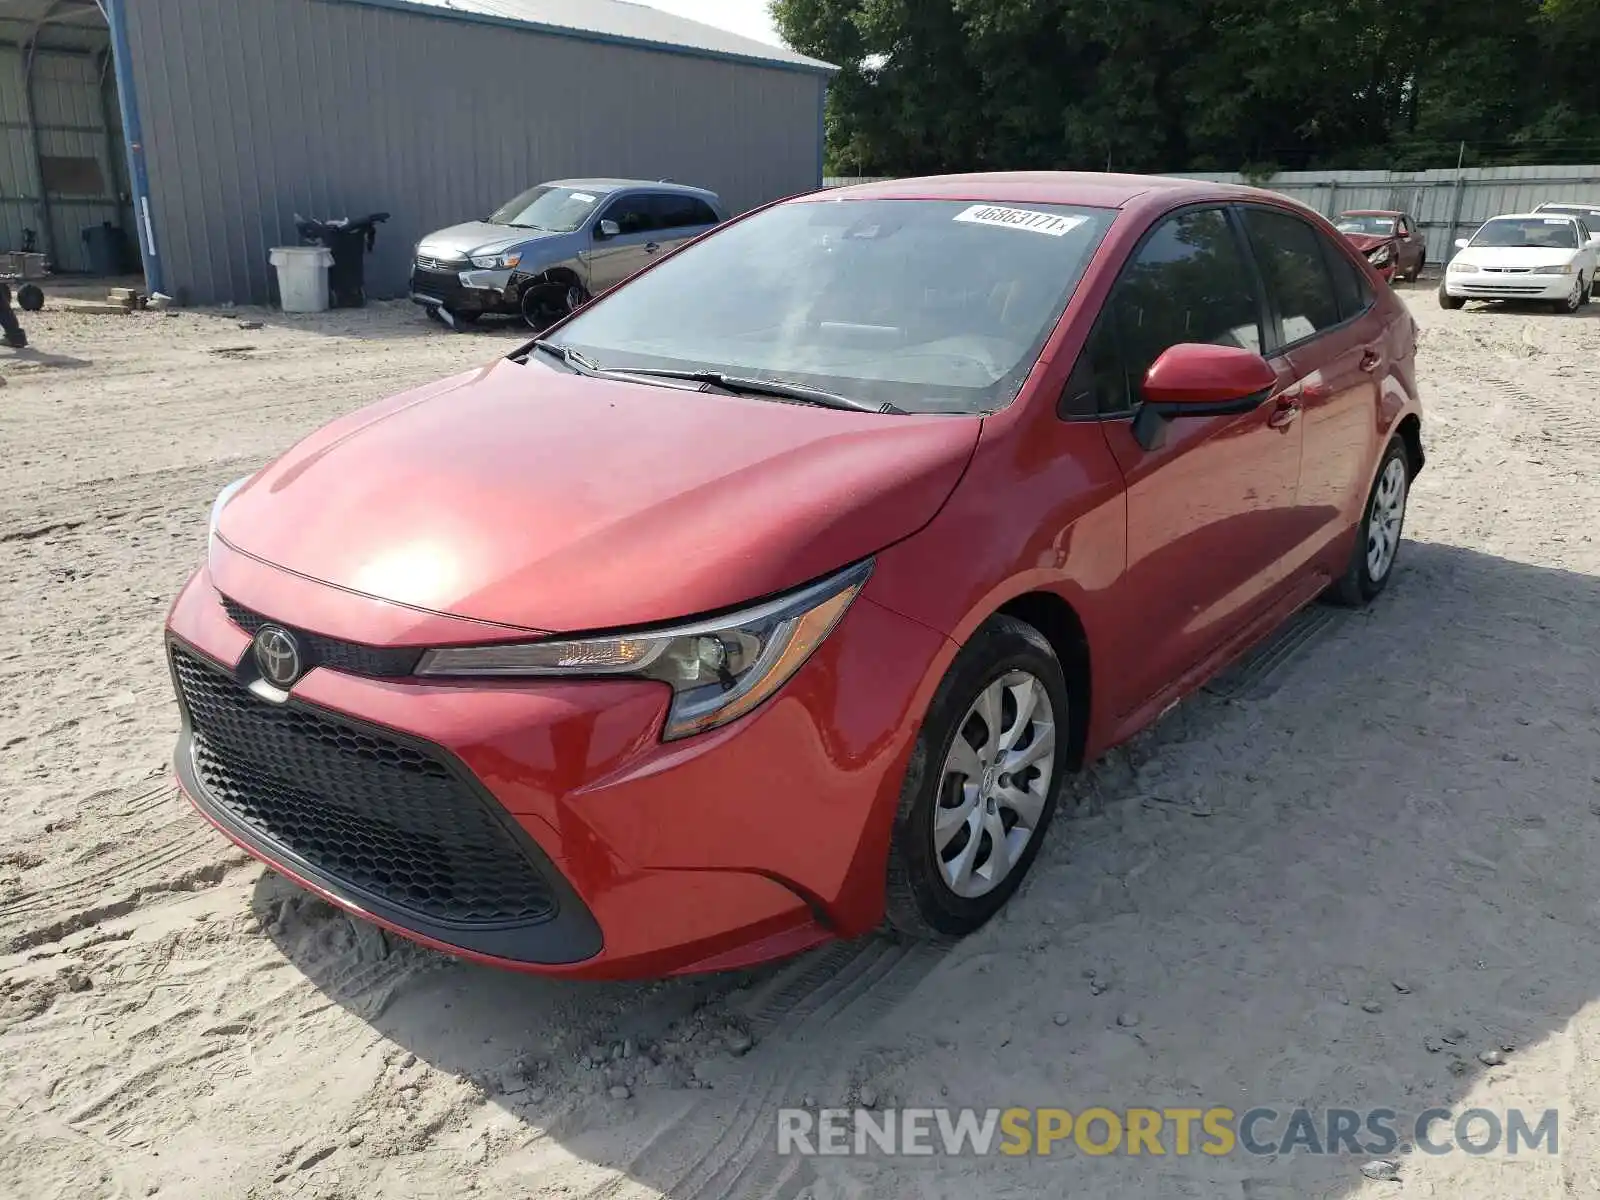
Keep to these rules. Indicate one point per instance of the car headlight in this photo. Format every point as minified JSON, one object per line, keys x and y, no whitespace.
{"x":1462,"y":268}
{"x":217,"y":506}
{"x":496,"y":262}
{"x":719,"y":669}
{"x":1565,"y":268}
{"x":1381,"y":255}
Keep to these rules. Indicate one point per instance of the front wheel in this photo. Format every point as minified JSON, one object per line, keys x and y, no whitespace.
{"x":982,"y":784}
{"x":1378,"y":536}
{"x":1446,"y":300}
{"x":546,"y":303}
{"x":1574,"y":300}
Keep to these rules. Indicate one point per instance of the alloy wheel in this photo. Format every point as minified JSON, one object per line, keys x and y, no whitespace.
{"x":994,"y":784}
{"x":1384,"y":522}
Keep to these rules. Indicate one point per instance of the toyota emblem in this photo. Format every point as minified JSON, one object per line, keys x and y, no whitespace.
{"x":277,"y":656}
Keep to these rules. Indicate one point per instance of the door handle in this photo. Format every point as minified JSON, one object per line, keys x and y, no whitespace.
{"x":1284,"y":416}
{"x":1370,"y":360}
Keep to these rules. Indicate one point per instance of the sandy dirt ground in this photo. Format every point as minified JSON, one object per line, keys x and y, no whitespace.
{"x":1357,"y":866}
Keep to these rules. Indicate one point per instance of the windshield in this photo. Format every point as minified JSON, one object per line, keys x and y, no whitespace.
{"x":1365,"y":223}
{"x":931,"y":306}
{"x":556,"y":209}
{"x":1550,"y":233}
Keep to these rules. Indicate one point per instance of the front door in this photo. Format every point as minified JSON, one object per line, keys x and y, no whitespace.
{"x":1211,"y":509}
{"x":613,"y":259}
{"x":1411,"y":247}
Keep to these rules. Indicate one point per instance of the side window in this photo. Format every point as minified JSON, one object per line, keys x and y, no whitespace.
{"x":1189,"y":282}
{"x":1403,"y":227}
{"x":1297,"y":275}
{"x":632,"y":214}
{"x":1350,"y":287}
{"x":672,"y":212}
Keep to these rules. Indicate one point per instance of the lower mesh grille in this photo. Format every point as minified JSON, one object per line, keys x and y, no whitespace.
{"x":372,"y":813}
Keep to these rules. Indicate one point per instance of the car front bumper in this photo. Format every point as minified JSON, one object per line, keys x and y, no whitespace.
{"x":1495,"y":285}
{"x":543,"y":825}
{"x":472,"y":291}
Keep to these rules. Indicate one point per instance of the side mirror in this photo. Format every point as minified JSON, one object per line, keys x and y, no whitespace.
{"x":1196,"y":380}
{"x":1463,"y":243}
{"x":607,"y":229}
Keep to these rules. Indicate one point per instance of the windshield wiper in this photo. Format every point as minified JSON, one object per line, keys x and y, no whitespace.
{"x":745,"y":385}
{"x":569,"y":357}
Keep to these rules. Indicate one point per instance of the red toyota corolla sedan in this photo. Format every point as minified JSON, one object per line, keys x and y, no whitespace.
{"x":773,"y":595}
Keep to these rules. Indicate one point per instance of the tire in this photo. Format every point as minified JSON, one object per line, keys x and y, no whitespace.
{"x":1367,"y":573}
{"x":1588,"y":293}
{"x":543,"y":304}
{"x":1573,"y":302}
{"x":30,"y":297}
{"x":466,"y":318}
{"x":1446,"y":300}
{"x":1416,"y":272}
{"x":1010,"y":661}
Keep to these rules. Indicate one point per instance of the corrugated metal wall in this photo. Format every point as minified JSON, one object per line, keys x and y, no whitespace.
{"x":71,"y":115}
{"x":1445,"y":203}
{"x":254,"y":110}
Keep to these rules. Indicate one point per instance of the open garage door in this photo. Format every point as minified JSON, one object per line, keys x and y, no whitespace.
{"x":64,"y":188}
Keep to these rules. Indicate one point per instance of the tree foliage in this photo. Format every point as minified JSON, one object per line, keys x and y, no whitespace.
{"x":1223,"y":85}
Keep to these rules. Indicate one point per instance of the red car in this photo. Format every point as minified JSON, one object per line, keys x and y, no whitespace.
{"x":773,"y":595}
{"x":1389,"y":240}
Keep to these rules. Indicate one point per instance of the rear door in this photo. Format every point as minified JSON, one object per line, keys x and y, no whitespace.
{"x":679,"y":218}
{"x":1328,"y":323}
{"x":1210,"y":509}
{"x":1411,"y":246}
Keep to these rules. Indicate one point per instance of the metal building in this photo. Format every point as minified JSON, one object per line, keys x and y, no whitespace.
{"x":203,"y":126}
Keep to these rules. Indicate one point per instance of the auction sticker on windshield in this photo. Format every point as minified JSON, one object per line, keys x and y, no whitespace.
{"x":1020,"y":218}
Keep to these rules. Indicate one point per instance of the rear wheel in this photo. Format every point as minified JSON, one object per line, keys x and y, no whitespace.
{"x":1378,"y":536}
{"x":982,"y":784}
{"x":30,"y":297}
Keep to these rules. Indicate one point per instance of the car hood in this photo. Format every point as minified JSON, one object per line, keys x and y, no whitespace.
{"x":477,"y":237}
{"x":1516,"y":256}
{"x":528,"y":497}
{"x":1368,"y":242}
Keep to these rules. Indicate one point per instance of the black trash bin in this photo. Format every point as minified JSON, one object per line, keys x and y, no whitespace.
{"x":350,"y":240}
{"x":107,"y":248}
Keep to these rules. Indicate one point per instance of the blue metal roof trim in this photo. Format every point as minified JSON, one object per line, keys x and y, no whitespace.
{"x":443,"y":9}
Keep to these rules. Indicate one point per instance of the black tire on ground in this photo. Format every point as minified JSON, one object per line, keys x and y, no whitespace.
{"x":1446,"y":300}
{"x":1588,"y":292}
{"x":919,"y":902}
{"x":466,"y":318}
{"x":1357,"y":587}
{"x":30,"y":297}
{"x":546,"y":303}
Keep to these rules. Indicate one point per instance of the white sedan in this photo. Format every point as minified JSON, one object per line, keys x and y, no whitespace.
{"x":1530,"y":256}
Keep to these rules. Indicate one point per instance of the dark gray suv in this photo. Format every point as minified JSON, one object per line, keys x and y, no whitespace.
{"x":551,"y":248}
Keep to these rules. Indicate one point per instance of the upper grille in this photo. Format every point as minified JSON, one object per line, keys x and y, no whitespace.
{"x":369,"y":812}
{"x":438,"y":264}
{"x":317,"y":651}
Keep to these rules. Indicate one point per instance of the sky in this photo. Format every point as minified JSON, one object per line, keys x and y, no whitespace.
{"x":748,"y":18}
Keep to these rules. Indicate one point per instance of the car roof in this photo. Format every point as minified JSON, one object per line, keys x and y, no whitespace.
{"x":1585,"y":206}
{"x":606,"y":186}
{"x":1084,"y":188}
{"x":1372,"y":212}
{"x":1528,"y":216}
